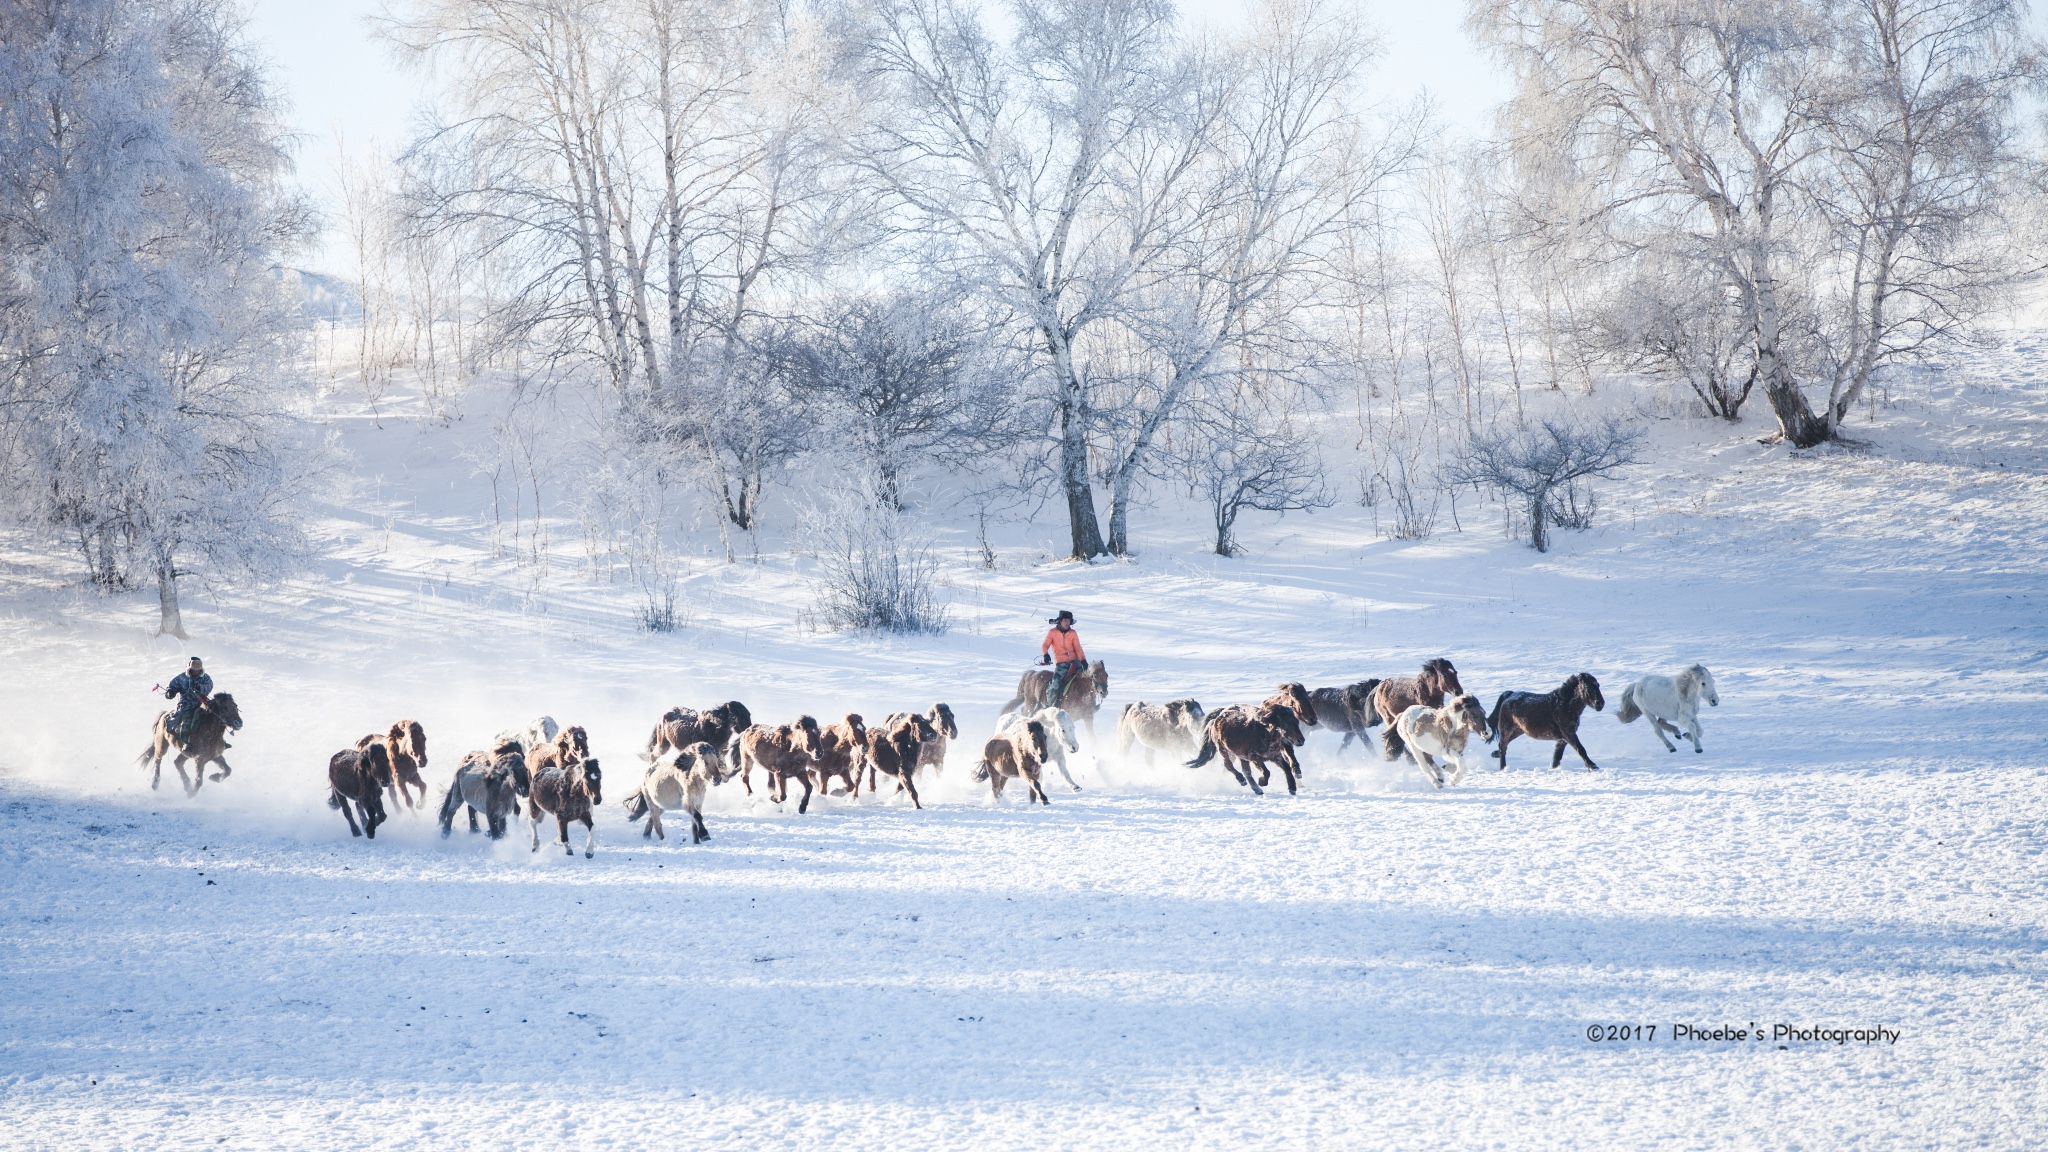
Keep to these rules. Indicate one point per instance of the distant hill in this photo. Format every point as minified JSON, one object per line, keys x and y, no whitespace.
{"x":323,"y":297}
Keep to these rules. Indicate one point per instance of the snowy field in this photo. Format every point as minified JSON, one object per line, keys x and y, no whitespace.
{"x":1160,"y":960}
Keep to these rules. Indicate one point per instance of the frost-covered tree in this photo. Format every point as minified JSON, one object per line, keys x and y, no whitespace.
{"x":1282,"y":170}
{"x":1542,"y":464}
{"x":143,"y":331}
{"x":1042,"y":171}
{"x":1838,"y":168}
{"x":644,"y":174}
{"x":900,"y":379}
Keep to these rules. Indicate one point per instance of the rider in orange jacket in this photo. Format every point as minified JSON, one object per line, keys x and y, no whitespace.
{"x":1062,"y":649}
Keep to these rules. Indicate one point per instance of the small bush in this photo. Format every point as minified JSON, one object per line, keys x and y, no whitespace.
{"x":872,"y":575}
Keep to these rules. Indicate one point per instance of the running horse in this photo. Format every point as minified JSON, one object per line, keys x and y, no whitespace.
{"x":208,"y":738}
{"x":1083,"y":697}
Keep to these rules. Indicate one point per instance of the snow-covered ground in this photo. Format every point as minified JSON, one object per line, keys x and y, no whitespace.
{"x":1158,"y":960}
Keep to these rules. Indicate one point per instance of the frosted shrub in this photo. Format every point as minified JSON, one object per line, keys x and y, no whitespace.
{"x":872,"y":575}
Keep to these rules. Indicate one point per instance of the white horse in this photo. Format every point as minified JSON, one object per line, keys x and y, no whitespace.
{"x":541,"y":731}
{"x":1671,"y":702}
{"x":1430,"y":732}
{"x":1055,"y":720}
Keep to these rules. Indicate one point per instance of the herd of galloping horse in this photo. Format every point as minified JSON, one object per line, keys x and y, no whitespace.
{"x":1428,"y":718}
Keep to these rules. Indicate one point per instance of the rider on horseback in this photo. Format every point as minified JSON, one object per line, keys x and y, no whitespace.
{"x":1062,"y":644}
{"x":190,"y":689}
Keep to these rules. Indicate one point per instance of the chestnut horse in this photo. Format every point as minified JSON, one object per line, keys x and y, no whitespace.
{"x":205,"y":742}
{"x":1083,"y":696}
{"x":1552,"y":715}
{"x":786,"y":752}
{"x":406,"y":745}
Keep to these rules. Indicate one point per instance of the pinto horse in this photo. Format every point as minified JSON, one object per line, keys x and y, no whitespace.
{"x":1552,"y":715}
{"x":1396,"y":694}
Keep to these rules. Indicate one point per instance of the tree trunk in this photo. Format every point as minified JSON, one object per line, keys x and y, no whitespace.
{"x":170,"y":624}
{"x":1539,"y":504}
{"x":1086,"y":531}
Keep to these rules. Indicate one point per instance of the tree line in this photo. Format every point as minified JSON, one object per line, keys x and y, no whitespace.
{"x":1070,"y":251}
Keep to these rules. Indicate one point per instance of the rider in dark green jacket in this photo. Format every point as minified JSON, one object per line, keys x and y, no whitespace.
{"x":190,"y":689}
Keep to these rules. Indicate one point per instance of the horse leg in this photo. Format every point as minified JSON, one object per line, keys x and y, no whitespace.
{"x":1290,"y":768}
{"x":1557,"y":754}
{"x":533,"y":822}
{"x":910,"y":786}
{"x":348,"y":815}
{"x":224,"y":772}
{"x":804,"y":805}
{"x":191,"y":788}
{"x":1458,"y":773}
{"x":1428,"y":765}
{"x":1657,"y":725}
{"x":698,"y":832}
{"x":472,"y":823}
{"x":1501,"y":754}
{"x":1062,"y":764}
{"x":1692,"y":729}
{"x":1349,"y":736}
{"x":562,"y":835}
{"x":589,"y":836}
{"x":1580,"y":749}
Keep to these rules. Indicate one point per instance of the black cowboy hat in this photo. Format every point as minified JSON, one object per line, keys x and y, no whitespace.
{"x":1064,"y":615}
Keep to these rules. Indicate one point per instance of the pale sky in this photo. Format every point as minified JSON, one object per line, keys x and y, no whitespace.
{"x":342,"y":82}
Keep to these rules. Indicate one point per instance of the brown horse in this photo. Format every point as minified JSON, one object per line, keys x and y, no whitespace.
{"x":932,"y":752}
{"x":786,"y":752}
{"x":203,"y":744}
{"x":1083,"y":696}
{"x":897,"y":752}
{"x":1020,"y":752}
{"x":839,"y":751}
{"x":680,"y":727}
{"x":1267,"y":733}
{"x":1552,"y":715}
{"x":406,"y":745}
{"x":1348,"y":709}
{"x":1397,"y":694}
{"x":358,"y":776}
{"x":570,"y":746}
{"x":570,"y":791}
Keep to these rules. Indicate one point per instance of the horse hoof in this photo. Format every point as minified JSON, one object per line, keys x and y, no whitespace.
{"x":588,"y":855}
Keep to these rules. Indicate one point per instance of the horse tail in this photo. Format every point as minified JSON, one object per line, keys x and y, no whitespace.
{"x":1391,"y":745}
{"x":1629,"y":709}
{"x":1493,"y":717}
{"x":333,"y":797}
{"x":1207,"y":754}
{"x":142,"y":761}
{"x":653,"y":744}
{"x":981,"y":771}
{"x":636,"y":805}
